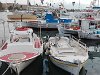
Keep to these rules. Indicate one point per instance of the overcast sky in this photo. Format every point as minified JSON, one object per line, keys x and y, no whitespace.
{"x":83,"y":3}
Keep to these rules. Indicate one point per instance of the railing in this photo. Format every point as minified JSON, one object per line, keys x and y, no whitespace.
{"x":76,"y":42}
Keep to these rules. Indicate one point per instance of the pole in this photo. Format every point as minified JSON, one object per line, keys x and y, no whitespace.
{"x":21,"y":17}
{"x":34,"y":2}
{"x":40,"y":29}
{"x":79,"y":4}
{"x":8,"y":27}
{"x":14,"y":5}
{"x":28,"y":5}
{"x":4,"y":31}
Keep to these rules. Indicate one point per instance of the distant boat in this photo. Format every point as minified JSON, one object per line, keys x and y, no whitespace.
{"x":26,"y":19}
{"x":22,"y":47}
{"x":68,"y":53}
{"x":50,"y":18}
{"x":90,"y":28}
{"x":68,"y":28}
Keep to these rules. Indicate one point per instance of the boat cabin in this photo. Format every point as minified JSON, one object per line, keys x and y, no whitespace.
{"x":88,"y":24}
{"x":21,"y":35}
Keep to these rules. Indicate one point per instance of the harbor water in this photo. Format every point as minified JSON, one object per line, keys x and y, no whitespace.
{"x":92,"y":66}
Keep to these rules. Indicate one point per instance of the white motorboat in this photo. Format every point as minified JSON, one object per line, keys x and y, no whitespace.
{"x":90,"y":28}
{"x":68,"y":54}
{"x":22,"y":47}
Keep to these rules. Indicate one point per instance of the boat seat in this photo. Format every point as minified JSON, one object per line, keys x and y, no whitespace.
{"x":66,"y":50}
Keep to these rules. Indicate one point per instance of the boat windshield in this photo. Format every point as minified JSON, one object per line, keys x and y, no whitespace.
{"x":19,"y":39}
{"x":24,"y":40}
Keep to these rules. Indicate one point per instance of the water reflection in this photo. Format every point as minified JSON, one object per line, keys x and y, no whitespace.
{"x":83,"y":71}
{"x":93,"y":64}
{"x":45,"y":66}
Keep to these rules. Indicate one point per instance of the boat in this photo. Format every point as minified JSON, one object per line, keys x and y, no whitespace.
{"x":22,"y":47}
{"x":69,"y":27}
{"x":90,"y":28}
{"x":69,"y":54}
{"x":26,"y":19}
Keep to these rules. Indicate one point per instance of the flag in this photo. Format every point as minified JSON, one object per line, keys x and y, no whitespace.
{"x":42,"y":1}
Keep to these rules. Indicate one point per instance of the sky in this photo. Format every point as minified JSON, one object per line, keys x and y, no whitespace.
{"x":67,"y":3}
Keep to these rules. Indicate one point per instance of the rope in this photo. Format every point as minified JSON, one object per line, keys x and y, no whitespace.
{"x":6,"y":69}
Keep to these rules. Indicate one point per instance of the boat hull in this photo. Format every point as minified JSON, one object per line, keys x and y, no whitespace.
{"x":72,"y":68}
{"x":88,"y":36}
{"x":45,"y":26}
{"x":18,"y":67}
{"x":63,"y":31}
{"x":70,"y":31}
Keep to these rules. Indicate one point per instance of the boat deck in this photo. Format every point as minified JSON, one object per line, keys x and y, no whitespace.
{"x":66,"y":50}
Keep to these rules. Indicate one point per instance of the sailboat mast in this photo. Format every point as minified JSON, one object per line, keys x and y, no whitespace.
{"x":98,"y":3}
{"x":28,"y":5}
{"x":79,"y":4}
{"x":34,"y":2}
{"x":14,"y":3}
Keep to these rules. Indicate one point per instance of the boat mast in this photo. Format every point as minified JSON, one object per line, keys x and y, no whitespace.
{"x":79,"y":4}
{"x":6,"y":6}
{"x":34,"y":2}
{"x":98,"y":3}
{"x":28,"y":6}
{"x":14,"y":5}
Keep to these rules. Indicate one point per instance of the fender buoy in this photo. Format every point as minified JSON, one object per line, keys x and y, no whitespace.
{"x":37,"y":43}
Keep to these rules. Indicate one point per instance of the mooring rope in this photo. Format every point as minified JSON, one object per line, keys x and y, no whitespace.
{"x":6,"y":69}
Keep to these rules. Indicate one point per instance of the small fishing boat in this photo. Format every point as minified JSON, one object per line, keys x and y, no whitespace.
{"x":22,"y":47}
{"x":68,"y":54}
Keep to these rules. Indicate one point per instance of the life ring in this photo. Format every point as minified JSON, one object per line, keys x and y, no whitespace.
{"x":22,"y":28}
